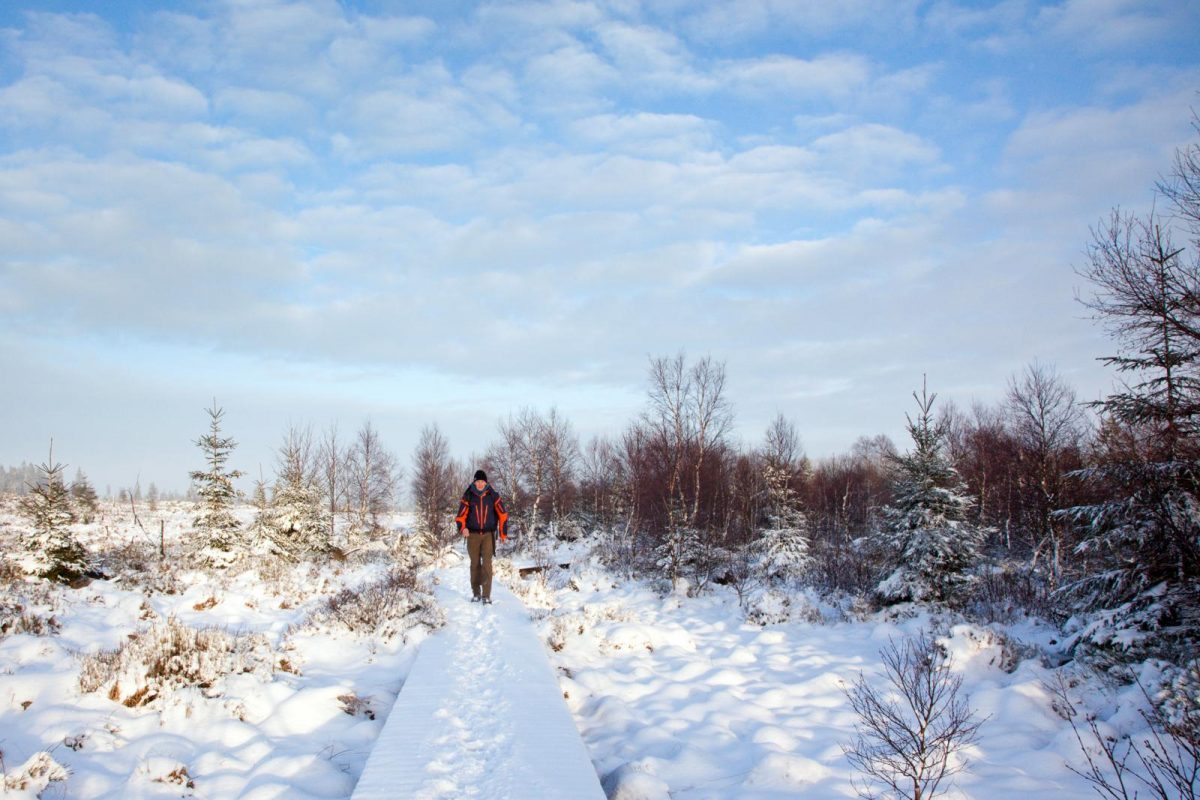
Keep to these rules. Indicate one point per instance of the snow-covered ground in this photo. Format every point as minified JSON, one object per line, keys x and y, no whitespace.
{"x":680,"y":697}
{"x":674,"y":696}
{"x":296,"y":719}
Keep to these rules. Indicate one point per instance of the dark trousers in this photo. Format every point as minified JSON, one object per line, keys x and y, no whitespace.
{"x":480,"y":547}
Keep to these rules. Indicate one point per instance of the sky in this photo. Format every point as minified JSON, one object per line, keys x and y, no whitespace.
{"x":320,"y":212}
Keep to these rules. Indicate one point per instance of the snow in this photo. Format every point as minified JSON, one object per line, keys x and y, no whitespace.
{"x":577,"y":676}
{"x":681,"y":697}
{"x":481,"y":714}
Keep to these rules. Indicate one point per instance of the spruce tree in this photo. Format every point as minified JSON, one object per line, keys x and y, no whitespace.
{"x":220,"y":533}
{"x":297,"y":522}
{"x":1141,"y":540}
{"x":84,"y":495}
{"x":784,"y":539}
{"x":926,"y":539}
{"x":52,"y":551}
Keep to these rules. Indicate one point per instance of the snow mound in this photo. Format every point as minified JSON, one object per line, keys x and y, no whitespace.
{"x":784,"y":771}
{"x":639,"y":636}
{"x":632,"y":782}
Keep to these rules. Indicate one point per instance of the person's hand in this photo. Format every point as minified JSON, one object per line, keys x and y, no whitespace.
{"x":464,"y":531}
{"x":504,"y":537}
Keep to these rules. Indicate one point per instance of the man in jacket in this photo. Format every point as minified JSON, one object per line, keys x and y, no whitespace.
{"x":480,"y":517}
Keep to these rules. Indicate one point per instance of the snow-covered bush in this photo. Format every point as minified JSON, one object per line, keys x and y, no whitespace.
{"x":171,"y":655}
{"x":926,"y":537}
{"x":1006,"y":592}
{"x":676,"y":555}
{"x":35,"y":775}
{"x":1178,"y":697}
{"x":16,"y":618}
{"x":386,"y":607}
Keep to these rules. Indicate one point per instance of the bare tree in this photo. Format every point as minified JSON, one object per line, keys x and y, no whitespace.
{"x":669,"y":419}
{"x":1048,"y":424}
{"x":781,"y":445}
{"x":562,"y":460}
{"x":331,"y":461}
{"x":296,"y":458}
{"x":373,"y":476}
{"x":713,"y":419}
{"x":433,"y":489}
{"x":909,"y":739}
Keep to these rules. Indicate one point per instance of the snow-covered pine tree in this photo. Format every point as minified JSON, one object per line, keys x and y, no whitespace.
{"x":297,"y":523}
{"x":220,"y":533}
{"x":783,"y":542}
{"x":676,"y":554}
{"x":51,"y":550}
{"x":257,"y":532}
{"x":1142,"y":540}
{"x":926,"y":539}
{"x":86,"y":502}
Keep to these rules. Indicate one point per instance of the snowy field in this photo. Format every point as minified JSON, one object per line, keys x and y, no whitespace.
{"x":286,"y":704}
{"x":681,"y":697}
{"x":674,"y":696}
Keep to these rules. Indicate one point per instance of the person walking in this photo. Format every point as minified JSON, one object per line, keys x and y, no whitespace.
{"x":480,"y":517}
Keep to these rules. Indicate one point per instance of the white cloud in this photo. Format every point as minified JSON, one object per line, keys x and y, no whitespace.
{"x":837,"y":75}
{"x":260,"y":107}
{"x":569,"y":81}
{"x":874,"y":151}
{"x":667,"y":136}
{"x":1108,"y":24}
{"x":740,"y":20}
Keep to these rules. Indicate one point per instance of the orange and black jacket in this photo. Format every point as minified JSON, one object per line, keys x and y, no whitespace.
{"x":482,"y":513}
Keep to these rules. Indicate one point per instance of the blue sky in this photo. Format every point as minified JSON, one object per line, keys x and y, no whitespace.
{"x":443,"y":212}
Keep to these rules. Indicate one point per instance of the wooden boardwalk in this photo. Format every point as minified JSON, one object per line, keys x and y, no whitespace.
{"x":481,"y":714}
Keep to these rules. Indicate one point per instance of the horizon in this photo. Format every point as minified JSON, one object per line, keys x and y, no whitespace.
{"x":320,"y":211}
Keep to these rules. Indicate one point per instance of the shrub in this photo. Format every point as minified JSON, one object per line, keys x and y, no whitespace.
{"x":908,"y":741}
{"x":15,"y":618}
{"x":171,"y":656}
{"x":385,"y":607}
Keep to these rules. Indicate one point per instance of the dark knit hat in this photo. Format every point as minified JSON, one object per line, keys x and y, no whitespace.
{"x":480,"y":475}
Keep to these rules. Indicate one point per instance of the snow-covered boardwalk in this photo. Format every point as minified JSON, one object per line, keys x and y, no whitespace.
{"x":481,"y":714}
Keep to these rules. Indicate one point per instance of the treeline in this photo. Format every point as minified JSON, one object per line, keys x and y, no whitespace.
{"x":17,"y":481}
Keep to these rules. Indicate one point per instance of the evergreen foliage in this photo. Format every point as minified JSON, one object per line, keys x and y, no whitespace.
{"x":297,"y":521}
{"x":87,"y":502}
{"x":784,"y":542}
{"x":51,"y":550}
{"x":220,"y":533}
{"x":677,"y":554}
{"x":1142,"y":538}
{"x":926,"y":539}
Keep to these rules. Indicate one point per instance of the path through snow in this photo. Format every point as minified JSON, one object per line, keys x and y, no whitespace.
{"x":481,"y":714}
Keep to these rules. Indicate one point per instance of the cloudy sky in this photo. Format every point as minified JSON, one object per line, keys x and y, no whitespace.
{"x":421,"y":212}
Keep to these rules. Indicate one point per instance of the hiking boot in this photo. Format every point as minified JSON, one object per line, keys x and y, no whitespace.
{"x":476,"y":599}
{"x":487,"y":601}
